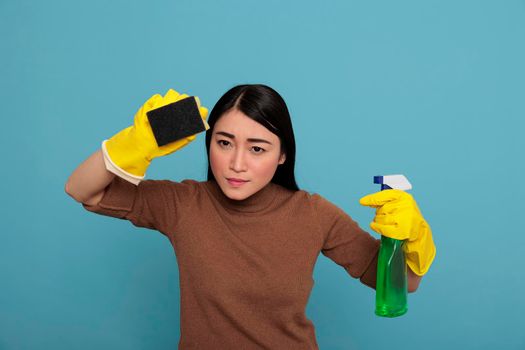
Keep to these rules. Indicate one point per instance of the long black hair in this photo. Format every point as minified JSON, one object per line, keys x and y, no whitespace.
{"x":264,"y":105}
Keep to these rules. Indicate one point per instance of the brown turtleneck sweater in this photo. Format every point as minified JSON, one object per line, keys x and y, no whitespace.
{"x":245,"y":267}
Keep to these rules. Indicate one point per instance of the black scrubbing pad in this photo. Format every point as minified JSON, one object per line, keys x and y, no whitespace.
{"x":176,"y":121}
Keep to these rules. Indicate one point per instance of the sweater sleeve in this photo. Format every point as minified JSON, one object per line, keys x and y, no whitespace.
{"x":153,"y":204}
{"x":347,"y":244}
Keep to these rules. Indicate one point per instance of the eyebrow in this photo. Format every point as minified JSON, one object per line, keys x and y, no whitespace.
{"x":249,"y":140}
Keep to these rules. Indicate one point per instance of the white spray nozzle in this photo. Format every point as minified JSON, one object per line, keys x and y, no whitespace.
{"x":396,"y":182}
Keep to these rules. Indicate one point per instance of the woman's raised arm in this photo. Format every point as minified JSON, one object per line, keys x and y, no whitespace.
{"x":87,"y":183}
{"x":129,"y":152}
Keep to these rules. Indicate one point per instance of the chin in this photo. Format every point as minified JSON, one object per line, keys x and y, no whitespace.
{"x":231,"y":193}
{"x":237,"y":197}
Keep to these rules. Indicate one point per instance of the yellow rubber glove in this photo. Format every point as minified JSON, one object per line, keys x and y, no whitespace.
{"x":129,"y":152}
{"x":398,"y":216}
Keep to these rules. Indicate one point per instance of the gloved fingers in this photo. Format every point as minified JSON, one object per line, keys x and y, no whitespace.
{"x":152,"y":101}
{"x":191,"y":137}
{"x":384,"y":230}
{"x":182,"y":97}
{"x":396,"y":207}
{"x":198,"y":101}
{"x":172,"y":147}
{"x":141,"y":119}
{"x":385,"y":219}
{"x":170,"y":97}
{"x":204,"y":114}
{"x":380,"y":198}
{"x":203,"y":111}
{"x":400,"y":213}
{"x":397,"y":227}
{"x":392,"y":231}
{"x":140,"y":116}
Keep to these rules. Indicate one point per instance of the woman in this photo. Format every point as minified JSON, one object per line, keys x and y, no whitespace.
{"x":246,"y":240}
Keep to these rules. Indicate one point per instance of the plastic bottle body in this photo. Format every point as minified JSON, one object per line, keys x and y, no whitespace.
{"x":391,"y":285}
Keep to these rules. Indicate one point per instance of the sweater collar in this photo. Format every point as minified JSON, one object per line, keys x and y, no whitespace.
{"x":257,"y":202}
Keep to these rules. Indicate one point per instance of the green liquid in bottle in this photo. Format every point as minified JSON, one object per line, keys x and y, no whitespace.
{"x":391,"y":285}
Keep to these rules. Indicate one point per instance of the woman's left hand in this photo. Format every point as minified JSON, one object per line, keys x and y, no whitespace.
{"x":397,"y":214}
{"x":398,"y":217}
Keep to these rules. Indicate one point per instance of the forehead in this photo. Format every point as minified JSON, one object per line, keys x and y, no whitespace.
{"x":237,"y":123}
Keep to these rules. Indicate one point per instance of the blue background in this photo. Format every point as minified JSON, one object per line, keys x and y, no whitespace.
{"x":431,"y":89}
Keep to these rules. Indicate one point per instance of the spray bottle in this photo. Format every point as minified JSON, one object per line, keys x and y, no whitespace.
{"x":391,"y":285}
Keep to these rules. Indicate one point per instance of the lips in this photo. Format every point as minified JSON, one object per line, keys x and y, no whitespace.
{"x":236,"y":182}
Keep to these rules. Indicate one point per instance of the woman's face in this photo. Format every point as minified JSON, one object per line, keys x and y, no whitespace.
{"x":243,"y":149}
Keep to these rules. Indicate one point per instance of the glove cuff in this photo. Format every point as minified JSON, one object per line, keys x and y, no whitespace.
{"x":130,"y":151}
{"x":113,"y":168}
{"x":420,"y":253}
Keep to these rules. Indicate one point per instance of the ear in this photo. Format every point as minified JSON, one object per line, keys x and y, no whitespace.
{"x":282,"y":159}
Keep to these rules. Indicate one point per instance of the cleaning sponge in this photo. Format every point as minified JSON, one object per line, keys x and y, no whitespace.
{"x":176,"y":121}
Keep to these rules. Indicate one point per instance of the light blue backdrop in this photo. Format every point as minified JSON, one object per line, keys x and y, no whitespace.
{"x":431,"y":89}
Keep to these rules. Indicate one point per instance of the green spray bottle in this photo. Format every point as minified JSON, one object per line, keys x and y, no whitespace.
{"x":391,"y":282}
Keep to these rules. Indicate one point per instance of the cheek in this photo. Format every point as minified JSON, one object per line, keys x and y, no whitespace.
{"x":266,"y":167}
{"x":215,"y":159}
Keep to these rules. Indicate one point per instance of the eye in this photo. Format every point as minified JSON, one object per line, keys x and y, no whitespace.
{"x":258,"y":150}
{"x":223,"y":143}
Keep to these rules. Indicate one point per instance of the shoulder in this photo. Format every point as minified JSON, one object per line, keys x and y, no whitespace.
{"x":183,"y":188}
{"x":316,"y":200}
{"x":312,"y":200}
{"x":325,"y":209}
{"x":171,"y":183}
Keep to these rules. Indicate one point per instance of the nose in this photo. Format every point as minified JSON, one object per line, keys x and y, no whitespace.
{"x":237,"y":162}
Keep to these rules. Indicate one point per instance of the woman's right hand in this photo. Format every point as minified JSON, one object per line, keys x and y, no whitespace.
{"x":129,"y":152}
